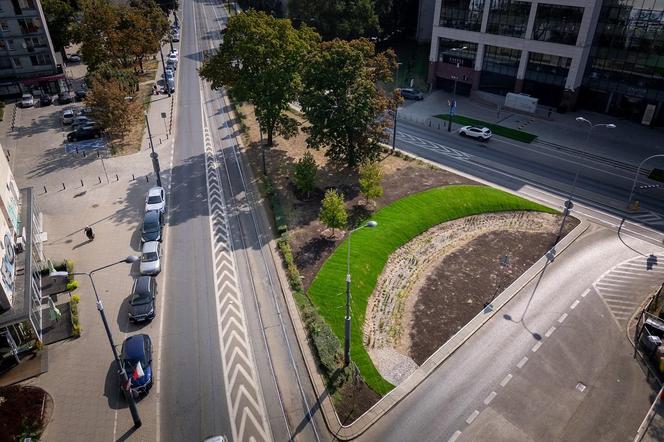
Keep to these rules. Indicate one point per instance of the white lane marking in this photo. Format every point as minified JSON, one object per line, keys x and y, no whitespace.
{"x":562,"y":318}
{"x":472,"y":417}
{"x":489,"y":398}
{"x":522,"y":362}
{"x":506,"y":380}
{"x":574,"y":304}
{"x":583,"y":295}
{"x":550,"y":331}
{"x":455,"y":436}
{"x":537,"y":346}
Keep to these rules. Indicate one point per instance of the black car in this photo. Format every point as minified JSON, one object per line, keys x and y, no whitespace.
{"x":65,"y":97}
{"x":45,"y":100}
{"x":80,"y":94}
{"x":141,"y":303}
{"x":87,"y":132}
{"x":153,"y":224}
{"x":136,"y":359}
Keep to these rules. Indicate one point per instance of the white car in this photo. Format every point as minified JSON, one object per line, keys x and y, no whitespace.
{"x":27,"y":100}
{"x":156,"y":199}
{"x":67,"y":116}
{"x":173,"y":57}
{"x":150,"y":258}
{"x":175,"y":52}
{"x":482,"y":133}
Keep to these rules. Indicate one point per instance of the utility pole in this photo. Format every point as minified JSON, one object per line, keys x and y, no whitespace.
{"x":153,"y":155}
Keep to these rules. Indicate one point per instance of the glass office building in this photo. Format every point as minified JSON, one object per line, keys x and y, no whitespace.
{"x":603,"y":55}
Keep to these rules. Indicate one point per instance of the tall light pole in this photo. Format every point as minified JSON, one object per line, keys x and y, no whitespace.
{"x":154,"y":155}
{"x":396,"y":108}
{"x":100,"y":307}
{"x":636,"y":175}
{"x":453,"y":103}
{"x":347,"y":321}
{"x":569,"y":204}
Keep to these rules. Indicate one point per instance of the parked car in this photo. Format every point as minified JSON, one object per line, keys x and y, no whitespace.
{"x":67,"y":116}
{"x":80,"y":94}
{"x":65,"y":97}
{"x":153,"y":225}
{"x":412,"y":94}
{"x":155,"y":199}
{"x":175,"y":52}
{"x":172,"y":65}
{"x":175,"y":36}
{"x":86,"y":132}
{"x":171,"y":84}
{"x":137,"y":349}
{"x":45,"y":100}
{"x":150,"y":258}
{"x":481,"y":133}
{"x":172,"y":57}
{"x":142,"y":300}
{"x":74,"y":58}
{"x":84,"y":111}
{"x":27,"y":100}
{"x":80,"y":121}
{"x":168,"y":73}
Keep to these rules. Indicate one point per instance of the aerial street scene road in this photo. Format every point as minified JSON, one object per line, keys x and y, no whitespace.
{"x":321,"y":220}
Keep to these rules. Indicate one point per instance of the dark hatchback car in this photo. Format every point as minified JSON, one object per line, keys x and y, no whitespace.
{"x":65,"y":97}
{"x":86,"y":132}
{"x":80,"y":94}
{"x":142,"y":300}
{"x":153,"y":224}
{"x":138,"y":349}
{"x":45,"y":100}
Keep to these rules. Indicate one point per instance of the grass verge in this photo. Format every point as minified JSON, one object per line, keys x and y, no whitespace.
{"x":503,"y":131}
{"x":398,"y":223}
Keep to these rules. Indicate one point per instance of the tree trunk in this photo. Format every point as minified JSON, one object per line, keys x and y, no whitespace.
{"x":270,"y":131}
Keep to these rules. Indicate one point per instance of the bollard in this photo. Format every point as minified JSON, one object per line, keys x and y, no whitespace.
{"x":116,"y":177}
{"x":429,"y":123}
{"x":133,"y":178}
{"x":45,"y":191}
{"x":147,"y":179}
{"x":159,"y":140}
{"x":81,"y":183}
{"x":84,"y":154}
{"x":77,"y":151}
{"x":97,"y":154}
{"x":63,"y":186}
{"x":99,"y":179}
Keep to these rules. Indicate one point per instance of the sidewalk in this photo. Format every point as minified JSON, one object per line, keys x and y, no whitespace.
{"x":629,"y":142}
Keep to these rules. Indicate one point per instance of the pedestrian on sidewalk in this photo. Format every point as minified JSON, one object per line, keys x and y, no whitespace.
{"x":89,"y":233}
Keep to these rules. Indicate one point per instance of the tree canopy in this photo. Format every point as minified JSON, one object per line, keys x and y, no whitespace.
{"x":60,"y":19}
{"x":342,"y":102}
{"x":109,"y":104}
{"x":345,"y":19}
{"x":260,"y":60}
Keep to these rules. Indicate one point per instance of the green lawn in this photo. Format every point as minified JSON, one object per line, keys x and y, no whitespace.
{"x":398,"y":223}
{"x":503,"y":131}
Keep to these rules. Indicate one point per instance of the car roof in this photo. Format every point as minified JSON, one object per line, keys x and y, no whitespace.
{"x":142,"y":284}
{"x":134,"y":346}
{"x":151,"y":215}
{"x":150,"y":246}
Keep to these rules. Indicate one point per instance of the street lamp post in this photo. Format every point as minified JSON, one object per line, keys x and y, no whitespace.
{"x":100,"y":307}
{"x":396,"y":108}
{"x":636,"y":175}
{"x":569,"y":204}
{"x":453,"y":103}
{"x":347,"y":321}
{"x":154,"y":155}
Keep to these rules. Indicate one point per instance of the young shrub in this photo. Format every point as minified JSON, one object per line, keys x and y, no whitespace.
{"x":370,"y":181}
{"x":304,"y":174}
{"x":333,"y":212}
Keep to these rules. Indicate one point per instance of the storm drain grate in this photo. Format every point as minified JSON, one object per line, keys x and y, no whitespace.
{"x":581,"y":386}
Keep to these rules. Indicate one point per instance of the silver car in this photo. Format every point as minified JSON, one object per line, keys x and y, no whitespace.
{"x":156,"y":199}
{"x":151,"y":258}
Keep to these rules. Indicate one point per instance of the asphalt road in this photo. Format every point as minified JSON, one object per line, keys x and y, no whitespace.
{"x":553,"y":364}
{"x":230,"y":363}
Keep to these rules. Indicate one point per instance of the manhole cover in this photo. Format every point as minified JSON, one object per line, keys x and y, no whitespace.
{"x":581,"y":386}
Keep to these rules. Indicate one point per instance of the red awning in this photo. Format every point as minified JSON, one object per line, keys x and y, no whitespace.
{"x":27,"y":81}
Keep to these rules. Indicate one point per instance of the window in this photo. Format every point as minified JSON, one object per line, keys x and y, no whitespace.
{"x":451,"y":52}
{"x":26,"y":4}
{"x":508,"y":18}
{"x":461,"y":14}
{"x":40,"y":60}
{"x":499,"y":69}
{"x":10,"y":45}
{"x":557,"y":23}
{"x":29,"y":26}
{"x":4,"y":26}
{"x":17,"y":62}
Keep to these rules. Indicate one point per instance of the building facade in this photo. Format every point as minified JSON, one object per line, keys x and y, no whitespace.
{"x":562,"y":52}
{"x":27,"y":60}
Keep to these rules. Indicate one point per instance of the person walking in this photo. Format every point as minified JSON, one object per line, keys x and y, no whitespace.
{"x":89,"y":233}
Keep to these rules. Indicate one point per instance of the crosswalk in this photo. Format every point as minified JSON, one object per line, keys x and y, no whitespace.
{"x":624,"y":287}
{"x":649,"y":218}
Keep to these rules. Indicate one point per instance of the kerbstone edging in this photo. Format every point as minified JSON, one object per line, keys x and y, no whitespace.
{"x":360,"y":425}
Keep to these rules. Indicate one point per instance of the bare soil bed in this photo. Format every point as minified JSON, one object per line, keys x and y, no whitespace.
{"x":475,"y":268}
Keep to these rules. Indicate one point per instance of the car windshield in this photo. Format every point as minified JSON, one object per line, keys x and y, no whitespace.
{"x":149,"y":256}
{"x":154,"y":199}
{"x":140,"y":299}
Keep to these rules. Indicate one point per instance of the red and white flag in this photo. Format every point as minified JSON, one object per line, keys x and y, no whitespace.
{"x":138,"y":371}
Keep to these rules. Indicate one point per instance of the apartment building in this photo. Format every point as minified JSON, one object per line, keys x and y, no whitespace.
{"x":27,"y":60}
{"x":604,"y":55}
